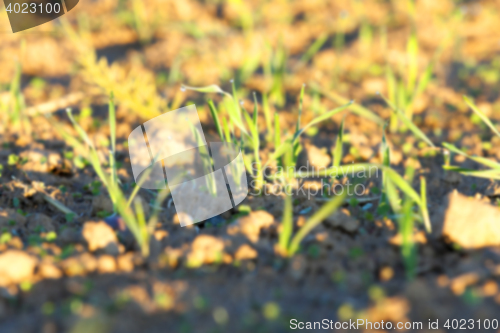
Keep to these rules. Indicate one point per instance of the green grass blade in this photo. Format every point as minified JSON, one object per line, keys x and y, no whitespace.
{"x":396,"y":179}
{"x":478,"y":159}
{"x":423,"y":198}
{"x":81,"y":132}
{"x":392,"y":196}
{"x":143,"y":240}
{"x":286,"y":224}
{"x":318,"y":217}
{"x":267,"y":113}
{"x":235,"y":101}
{"x":235,"y":116}
{"x":92,"y":156}
{"x":57,"y":204}
{"x":112,"y":122}
{"x":297,"y":128}
{"x":402,"y":184}
{"x":386,"y":161}
{"x":112,"y":132}
{"x":282,"y":149}
{"x":424,"y":80}
{"x":488,"y":174}
{"x":412,"y":55}
{"x":138,"y":186}
{"x":321,"y":118}
{"x":213,"y":88}
{"x":408,"y":249}
{"x":314,"y":48}
{"x":255,"y":110}
{"x":337,"y":155}
{"x":215,"y":117}
{"x":277,"y":131}
{"x":227,"y":132}
{"x":481,"y":115}
{"x":409,"y":124}
{"x":160,"y":198}
{"x":355,"y":108}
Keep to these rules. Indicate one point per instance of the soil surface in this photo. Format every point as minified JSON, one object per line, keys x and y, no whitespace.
{"x":74,"y":273}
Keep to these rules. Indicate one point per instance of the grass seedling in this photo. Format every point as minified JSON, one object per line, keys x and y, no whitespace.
{"x":404,"y":91}
{"x":392,"y":181}
{"x":325,"y":211}
{"x":287,"y":245}
{"x":337,"y":153}
{"x":135,"y":89}
{"x":408,"y":248}
{"x":13,"y":106}
{"x":354,"y":108}
{"x":134,"y":219}
{"x":408,"y":122}
{"x":275,"y":69}
{"x":250,"y":133}
{"x":493,"y":171}
{"x":313,"y":49}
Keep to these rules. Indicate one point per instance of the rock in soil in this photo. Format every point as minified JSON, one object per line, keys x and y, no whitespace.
{"x":251,"y":225}
{"x":99,"y":235}
{"x":206,"y":249}
{"x":41,"y":160}
{"x":79,"y":265}
{"x":49,"y":271}
{"x":38,"y":220}
{"x":245,"y":252}
{"x":343,"y":220}
{"x":15,"y":267}
{"x":106,"y":264}
{"x":470,"y":223}
{"x":317,"y":158}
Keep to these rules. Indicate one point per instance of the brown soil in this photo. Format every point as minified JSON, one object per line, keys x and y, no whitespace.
{"x":68,"y":275}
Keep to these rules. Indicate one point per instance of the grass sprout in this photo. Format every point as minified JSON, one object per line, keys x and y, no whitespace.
{"x":493,"y":171}
{"x":237,"y":117}
{"x":326,"y":210}
{"x":133,"y":218}
{"x":289,"y":245}
{"x":408,"y":122}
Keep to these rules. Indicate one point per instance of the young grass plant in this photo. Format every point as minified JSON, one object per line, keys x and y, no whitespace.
{"x":403,"y":92}
{"x":408,"y":122}
{"x":287,"y":244}
{"x":405,"y":217}
{"x":493,"y":167}
{"x":326,"y":210}
{"x":250,"y":133}
{"x":13,"y":105}
{"x":134,"y":218}
{"x":392,"y":181}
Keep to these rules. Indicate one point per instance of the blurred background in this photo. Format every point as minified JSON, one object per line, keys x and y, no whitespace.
{"x":142,"y":52}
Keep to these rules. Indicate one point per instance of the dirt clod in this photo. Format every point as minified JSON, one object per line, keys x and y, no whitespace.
{"x":205,"y":249}
{"x":343,"y":220}
{"x":15,"y":267}
{"x":251,"y":225}
{"x":99,"y":235}
{"x":245,"y":252}
{"x":470,"y":223}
